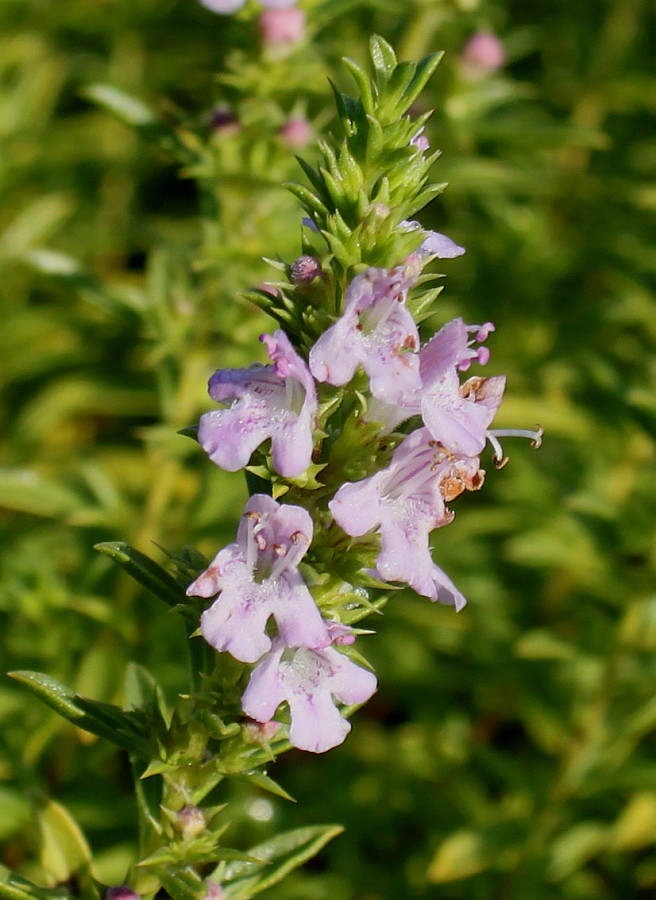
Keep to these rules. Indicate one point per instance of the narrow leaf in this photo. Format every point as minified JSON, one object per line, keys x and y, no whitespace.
{"x":145,"y":570}
{"x":85,"y":714}
{"x":281,"y":855}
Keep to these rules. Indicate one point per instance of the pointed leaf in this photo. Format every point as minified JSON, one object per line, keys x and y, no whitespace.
{"x":278,"y":856}
{"x":263,"y":781}
{"x":382,"y":56}
{"x":63,"y":850}
{"x":136,"y":114}
{"x":13,"y":887}
{"x":181,"y":884}
{"x":146,"y":571}
{"x":117,"y":727}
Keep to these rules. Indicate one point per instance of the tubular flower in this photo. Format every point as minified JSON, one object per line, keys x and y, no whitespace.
{"x":376,"y":331}
{"x":456,"y":415}
{"x":277,"y":401}
{"x":309,"y":681}
{"x":257,"y":577}
{"x":405,"y":502}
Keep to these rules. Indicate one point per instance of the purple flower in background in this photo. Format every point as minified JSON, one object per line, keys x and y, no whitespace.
{"x":277,"y":401}
{"x":257,"y":577}
{"x":310,"y":681}
{"x":227,"y":7}
{"x":281,"y":27}
{"x":482,"y":55}
{"x":376,"y":331}
{"x":405,"y":502}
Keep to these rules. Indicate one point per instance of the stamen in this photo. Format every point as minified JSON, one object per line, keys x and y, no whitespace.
{"x":252,"y":520}
{"x":500,"y":460}
{"x":281,"y":562}
{"x":534,"y":436}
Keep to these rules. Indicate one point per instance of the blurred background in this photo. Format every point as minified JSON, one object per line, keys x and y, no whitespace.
{"x":510,"y":751}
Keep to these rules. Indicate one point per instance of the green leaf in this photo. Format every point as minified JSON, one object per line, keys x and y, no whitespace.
{"x":382,"y":56}
{"x":25,"y":490}
{"x":144,"y":693}
{"x":102,"y":719}
{"x":63,"y":851}
{"x":363,"y":83}
{"x":181,"y":884}
{"x":13,"y":887}
{"x":259,"y":779}
{"x":136,"y":114}
{"x":146,"y":571}
{"x":277,"y":858}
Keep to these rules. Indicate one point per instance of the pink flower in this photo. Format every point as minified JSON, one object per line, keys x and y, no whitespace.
{"x":376,"y":331}
{"x":309,"y":681}
{"x":277,"y":401}
{"x":405,"y":502}
{"x":482,"y":55}
{"x":458,"y":416}
{"x":280,"y":27}
{"x":296,"y":133}
{"x":257,"y":577}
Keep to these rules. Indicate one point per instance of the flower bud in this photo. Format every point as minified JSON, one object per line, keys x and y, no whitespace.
{"x":121,"y":892}
{"x":214,"y":891}
{"x":279,"y":27}
{"x":224,"y":122}
{"x":261,"y":732}
{"x":305,"y":269}
{"x":190,"y":821}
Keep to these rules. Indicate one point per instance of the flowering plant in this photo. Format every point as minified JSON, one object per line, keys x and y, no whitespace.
{"x":354,"y":438}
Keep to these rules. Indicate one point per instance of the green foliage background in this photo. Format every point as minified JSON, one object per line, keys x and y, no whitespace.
{"x":509,"y":752}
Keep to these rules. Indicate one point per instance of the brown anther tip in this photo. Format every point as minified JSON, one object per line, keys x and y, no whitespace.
{"x":298,"y":536}
{"x":500,"y":463}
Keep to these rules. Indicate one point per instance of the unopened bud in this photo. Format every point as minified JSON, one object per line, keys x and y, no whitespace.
{"x":224,"y":122}
{"x":305,"y":269}
{"x":121,"y":892}
{"x":190,"y":821}
{"x":261,"y":732}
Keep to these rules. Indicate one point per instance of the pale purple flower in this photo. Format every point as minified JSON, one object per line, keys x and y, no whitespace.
{"x":457,"y":415}
{"x":257,"y":577}
{"x":309,"y":681}
{"x":435,"y":243}
{"x":277,"y":401}
{"x":420,"y":141}
{"x":227,"y":7}
{"x":375,"y":331}
{"x":405,"y":502}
